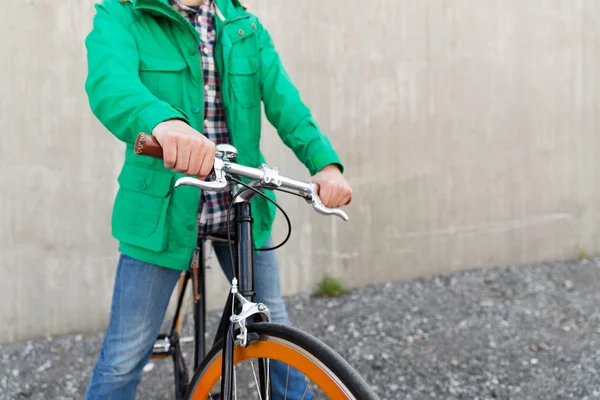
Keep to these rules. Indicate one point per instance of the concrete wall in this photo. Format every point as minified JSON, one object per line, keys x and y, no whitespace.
{"x":469,"y":131}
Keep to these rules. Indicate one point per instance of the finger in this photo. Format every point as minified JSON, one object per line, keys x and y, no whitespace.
{"x":195,"y":158}
{"x":200,"y":175}
{"x":325,"y":194}
{"x":335,"y":193}
{"x":348,"y":198}
{"x":208,"y":162}
{"x":169,"y":151}
{"x":337,"y":197}
{"x":346,"y":195}
{"x":184,"y":149}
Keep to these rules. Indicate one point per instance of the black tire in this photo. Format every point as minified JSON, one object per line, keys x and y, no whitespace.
{"x":346,"y":375}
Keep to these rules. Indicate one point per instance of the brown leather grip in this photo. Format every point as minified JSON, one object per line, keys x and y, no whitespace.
{"x":147,"y":145}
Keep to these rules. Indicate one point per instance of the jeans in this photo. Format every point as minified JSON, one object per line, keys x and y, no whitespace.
{"x":140,"y":299}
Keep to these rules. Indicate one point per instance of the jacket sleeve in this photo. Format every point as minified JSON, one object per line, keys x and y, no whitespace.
{"x":116,"y":94}
{"x":288,"y":114}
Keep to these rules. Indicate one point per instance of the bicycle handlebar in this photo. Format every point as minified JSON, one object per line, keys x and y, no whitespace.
{"x":269,"y":178}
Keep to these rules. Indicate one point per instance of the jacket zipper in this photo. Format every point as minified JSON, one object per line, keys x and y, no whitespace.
{"x":218,"y":40}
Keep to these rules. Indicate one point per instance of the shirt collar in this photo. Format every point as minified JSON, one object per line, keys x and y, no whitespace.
{"x":178,"y":3}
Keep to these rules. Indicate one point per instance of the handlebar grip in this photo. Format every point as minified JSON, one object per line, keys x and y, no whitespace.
{"x":147,"y":145}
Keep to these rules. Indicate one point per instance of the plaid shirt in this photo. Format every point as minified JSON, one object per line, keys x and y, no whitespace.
{"x":212,"y":217}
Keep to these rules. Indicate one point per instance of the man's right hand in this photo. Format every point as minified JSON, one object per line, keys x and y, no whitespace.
{"x":185,"y":149}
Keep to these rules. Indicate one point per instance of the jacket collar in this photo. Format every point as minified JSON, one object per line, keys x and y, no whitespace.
{"x":225,"y":9}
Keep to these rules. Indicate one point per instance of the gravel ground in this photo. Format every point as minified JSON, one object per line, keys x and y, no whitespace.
{"x":529,"y":332}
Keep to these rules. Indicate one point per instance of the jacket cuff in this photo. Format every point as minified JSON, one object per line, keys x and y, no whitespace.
{"x":321,"y":160}
{"x":158,"y":113}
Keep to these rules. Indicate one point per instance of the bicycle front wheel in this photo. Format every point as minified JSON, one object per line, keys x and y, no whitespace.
{"x":325,"y":373}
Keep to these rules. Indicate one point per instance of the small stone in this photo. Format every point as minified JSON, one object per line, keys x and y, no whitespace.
{"x":533,"y":361}
{"x":148,"y":367}
{"x":15,"y":372}
{"x":393,"y":387}
{"x":455,"y":363}
{"x":44,"y":366}
{"x":486,"y":303}
{"x":78,"y":338}
{"x":569,"y":284}
{"x":492,"y":344}
{"x":331,"y":328}
{"x":369,"y":357}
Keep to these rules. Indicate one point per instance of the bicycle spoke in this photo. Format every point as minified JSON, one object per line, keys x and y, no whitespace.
{"x":268,"y":377}
{"x":287,"y":377}
{"x":234,"y":383}
{"x":256,"y":380}
{"x":305,"y":390}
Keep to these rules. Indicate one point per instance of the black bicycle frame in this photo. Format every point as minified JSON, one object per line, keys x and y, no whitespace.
{"x":244,"y":271}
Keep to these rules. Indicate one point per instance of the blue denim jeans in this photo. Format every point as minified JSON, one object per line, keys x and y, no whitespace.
{"x":140,"y":299}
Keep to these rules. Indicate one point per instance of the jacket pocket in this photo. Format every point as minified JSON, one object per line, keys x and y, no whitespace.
{"x":140,"y":212}
{"x":244,"y":80}
{"x":163,"y":77}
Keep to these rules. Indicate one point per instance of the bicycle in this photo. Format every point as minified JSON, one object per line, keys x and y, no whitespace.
{"x":245,"y":332}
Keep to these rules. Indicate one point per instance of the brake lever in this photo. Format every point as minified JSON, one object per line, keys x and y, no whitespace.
{"x":319,"y":207}
{"x":219,"y":184}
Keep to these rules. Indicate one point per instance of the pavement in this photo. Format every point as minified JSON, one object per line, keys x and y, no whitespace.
{"x":527,"y":332}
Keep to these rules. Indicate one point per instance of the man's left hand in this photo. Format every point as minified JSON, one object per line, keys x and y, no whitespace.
{"x":333,"y":189}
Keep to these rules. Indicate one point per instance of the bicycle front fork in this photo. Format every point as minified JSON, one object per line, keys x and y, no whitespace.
{"x":237,"y":332}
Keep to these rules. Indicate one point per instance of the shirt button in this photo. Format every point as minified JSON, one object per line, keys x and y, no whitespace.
{"x":205,"y":122}
{"x":206,"y":87}
{"x":195,"y":109}
{"x":205,"y":51}
{"x":143,"y":185}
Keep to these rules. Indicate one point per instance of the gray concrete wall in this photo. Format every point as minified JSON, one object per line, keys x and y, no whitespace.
{"x":469,"y":131}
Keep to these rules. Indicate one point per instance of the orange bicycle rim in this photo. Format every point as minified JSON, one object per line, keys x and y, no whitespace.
{"x":273,"y":351}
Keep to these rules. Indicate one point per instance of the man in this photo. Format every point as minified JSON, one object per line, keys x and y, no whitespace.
{"x":193,"y":73}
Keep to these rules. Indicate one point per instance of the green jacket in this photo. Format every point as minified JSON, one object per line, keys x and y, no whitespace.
{"x":144,"y":68}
